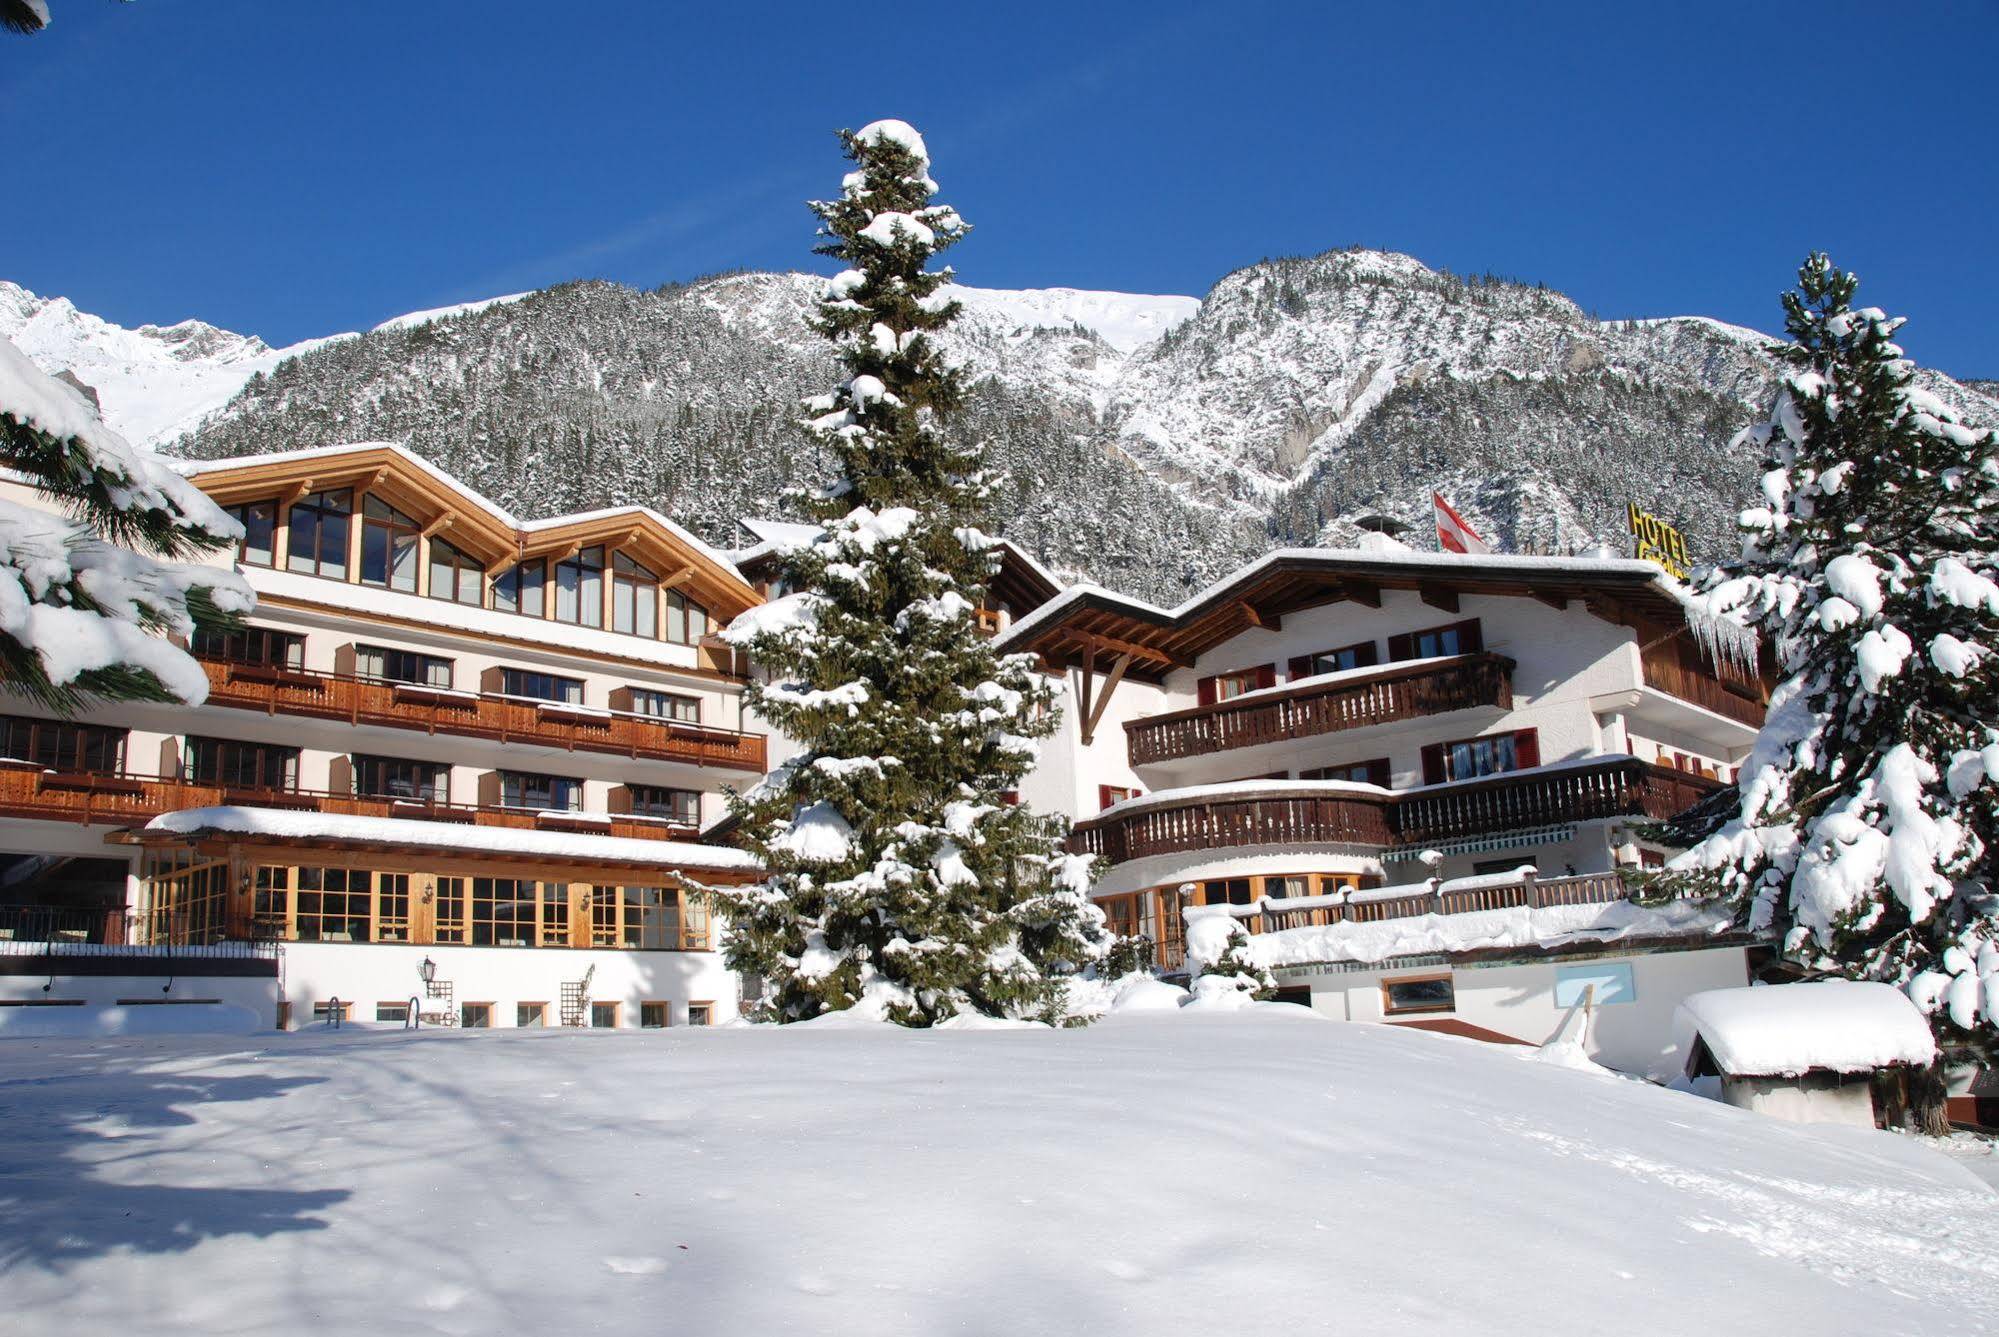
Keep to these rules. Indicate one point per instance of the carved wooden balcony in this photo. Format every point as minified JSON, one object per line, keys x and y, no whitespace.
{"x":1381,"y":696}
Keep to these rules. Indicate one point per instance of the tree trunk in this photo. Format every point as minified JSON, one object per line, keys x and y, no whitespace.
{"x":1927,"y":1100}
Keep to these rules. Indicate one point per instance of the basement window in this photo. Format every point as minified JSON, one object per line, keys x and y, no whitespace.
{"x":1420,"y":993}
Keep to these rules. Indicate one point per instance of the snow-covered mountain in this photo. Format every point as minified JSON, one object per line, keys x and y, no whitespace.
{"x":1150,"y":442}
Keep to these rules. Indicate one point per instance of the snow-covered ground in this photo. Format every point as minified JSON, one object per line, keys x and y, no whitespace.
{"x":1260,"y":1171}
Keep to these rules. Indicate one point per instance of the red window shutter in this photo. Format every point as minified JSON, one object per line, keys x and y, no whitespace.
{"x":1301,"y":666}
{"x":1364,"y":655}
{"x":1433,"y":764}
{"x":1103,"y":797}
{"x":1527,"y":748}
{"x":1377,"y":772}
{"x":1266,"y":676}
{"x":1401,"y":647}
{"x":1205,"y":691}
{"x":1470,"y":636}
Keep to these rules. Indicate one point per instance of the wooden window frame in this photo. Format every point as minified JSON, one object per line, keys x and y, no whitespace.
{"x":693,"y":617}
{"x":615,"y":1015}
{"x":1405,"y":645}
{"x":521,"y":779}
{"x":512,"y":583}
{"x":708,"y":1004}
{"x":1208,"y":690}
{"x":512,"y":678}
{"x":224,"y":777}
{"x":1388,"y":1008}
{"x":443,"y":555}
{"x":1108,"y":795}
{"x":646,"y":696}
{"x":1379,"y":772}
{"x":64,"y":745}
{"x":400,"y":1005}
{"x":252,"y":645}
{"x":540,"y":1022}
{"x":322,"y":1008}
{"x":312,"y":505}
{"x":424,"y":664}
{"x":587,"y":572}
{"x":1526,"y":743}
{"x":634,"y":590}
{"x":470,"y":1003}
{"x":639,"y":808}
{"x":396,"y":528}
{"x":241,"y":512}
{"x":1366,"y":656}
{"x":665,"y":1010}
{"x":440,"y":778}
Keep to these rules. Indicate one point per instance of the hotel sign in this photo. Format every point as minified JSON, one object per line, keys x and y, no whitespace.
{"x":1653,"y":540}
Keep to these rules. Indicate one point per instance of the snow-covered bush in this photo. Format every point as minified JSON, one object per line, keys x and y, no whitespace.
{"x":1869,"y":807}
{"x":1219,"y":961}
{"x":87,"y":602}
{"x":903,"y":877}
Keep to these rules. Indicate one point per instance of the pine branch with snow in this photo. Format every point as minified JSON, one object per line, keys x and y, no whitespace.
{"x":1869,"y":816}
{"x":1219,"y":964}
{"x":88,"y":601}
{"x":903,"y":879}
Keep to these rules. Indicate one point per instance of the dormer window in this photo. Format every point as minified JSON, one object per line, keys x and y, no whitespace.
{"x":579,"y":588}
{"x":454,"y":575}
{"x":389,"y":541}
{"x":259,"y":519}
{"x":686,"y":621}
{"x":519,"y":590}
{"x":634,"y":598}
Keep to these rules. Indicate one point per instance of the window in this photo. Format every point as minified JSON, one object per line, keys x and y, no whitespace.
{"x":56,"y":746}
{"x":653,"y":1016}
{"x":519,"y":590}
{"x":393,"y":1011}
{"x":545,"y":793}
{"x":634,"y":598}
{"x":554,"y":930}
{"x":686,"y":621}
{"x":541,"y":686}
{"x":1423,"y":993}
{"x":1224,"y":686}
{"x":216,"y":761}
{"x":389,"y":542}
{"x":1283,"y":888}
{"x":1459,"y":638}
{"x":651,"y":918}
{"x":392,"y":907}
{"x":475,"y":1016}
{"x":1494,"y":754}
{"x":455,"y":576}
{"x":253,"y":645}
{"x":531,"y":1014}
{"x":503,"y":912}
{"x":1227,"y":891}
{"x":270,"y":906}
{"x":666,"y":705}
{"x":1372,"y":772}
{"x":676,"y":805}
{"x":420,"y":670}
{"x":398,"y":777}
{"x":1335,"y":882}
{"x":260,"y":532}
{"x":604,"y":1016}
{"x":324,"y":1009}
{"x":333,"y":905}
{"x":1109,"y":794}
{"x":700,"y":1014}
{"x":579,"y":588}
{"x":319,"y":534}
{"x":1359,"y":655}
{"x":1604,"y":983}
{"x":450,"y":910}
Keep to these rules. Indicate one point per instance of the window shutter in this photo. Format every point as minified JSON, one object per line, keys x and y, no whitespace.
{"x":1103,"y":797}
{"x":1470,"y":636}
{"x":489,"y":789}
{"x":491,"y":679}
{"x":1205,"y":691}
{"x":1377,"y":772}
{"x":1433,"y":764}
{"x":1301,"y":666}
{"x":619,"y":801}
{"x":1266,"y":676}
{"x":1527,"y":748}
{"x":1364,"y":655}
{"x":343,"y":660}
{"x":1401,"y":647}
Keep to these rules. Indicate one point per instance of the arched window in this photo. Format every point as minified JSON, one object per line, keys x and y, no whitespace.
{"x":686,"y":621}
{"x":454,"y":575}
{"x":634,"y":598}
{"x":388,"y":546}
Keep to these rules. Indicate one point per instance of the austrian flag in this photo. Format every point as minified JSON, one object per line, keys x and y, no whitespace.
{"x":1453,"y":534}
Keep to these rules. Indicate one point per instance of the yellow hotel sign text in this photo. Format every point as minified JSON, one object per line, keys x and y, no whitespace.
{"x":1656,"y":541}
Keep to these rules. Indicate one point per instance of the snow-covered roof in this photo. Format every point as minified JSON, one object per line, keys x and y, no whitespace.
{"x":1783,"y":1030}
{"x":722,"y":562}
{"x":403,"y":832}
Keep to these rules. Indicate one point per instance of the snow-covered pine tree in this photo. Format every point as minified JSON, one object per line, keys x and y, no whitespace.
{"x":1869,"y":819}
{"x":901,"y":877}
{"x":86,"y":603}
{"x":1220,"y":968}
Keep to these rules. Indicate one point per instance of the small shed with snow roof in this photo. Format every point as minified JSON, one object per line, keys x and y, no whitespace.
{"x":1831,"y":1051}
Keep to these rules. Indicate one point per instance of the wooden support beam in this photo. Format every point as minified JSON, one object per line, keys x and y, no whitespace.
{"x":440,"y":524}
{"x":1362,"y":592}
{"x":1094,"y":713}
{"x":1558,"y":602}
{"x":1094,"y":641}
{"x":1439,"y":596}
{"x":1261,"y":621}
{"x":678,"y":578}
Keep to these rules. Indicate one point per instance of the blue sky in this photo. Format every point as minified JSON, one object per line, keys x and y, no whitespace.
{"x":293,"y":169}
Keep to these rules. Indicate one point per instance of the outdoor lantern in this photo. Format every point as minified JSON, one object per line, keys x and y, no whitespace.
{"x":428,"y":970}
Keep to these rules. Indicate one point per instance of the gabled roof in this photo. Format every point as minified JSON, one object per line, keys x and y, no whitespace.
{"x":1087,"y":618}
{"x":472,"y":521}
{"x":1022,"y":581}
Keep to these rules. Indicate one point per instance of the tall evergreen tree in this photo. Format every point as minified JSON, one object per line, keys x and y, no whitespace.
{"x":87,"y":603}
{"x":901,"y":877}
{"x":1869,"y":817}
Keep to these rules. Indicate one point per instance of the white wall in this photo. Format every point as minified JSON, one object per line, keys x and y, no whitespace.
{"x":1518,"y":1000}
{"x":369,"y":973}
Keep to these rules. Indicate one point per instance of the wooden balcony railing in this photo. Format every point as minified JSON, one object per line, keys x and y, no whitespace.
{"x":1612,"y":787}
{"x":131,"y":800}
{"x":1533,"y":893}
{"x":331,"y":696}
{"x":1392,"y":693}
{"x":1666,"y":669}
